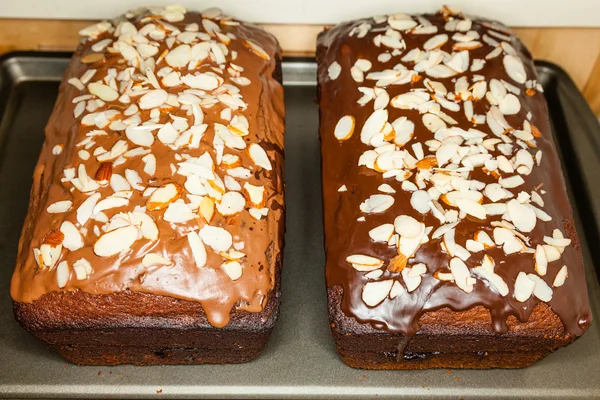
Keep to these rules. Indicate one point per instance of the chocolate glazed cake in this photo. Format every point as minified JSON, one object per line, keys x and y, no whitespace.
{"x":155,"y":228}
{"x":449,"y":235}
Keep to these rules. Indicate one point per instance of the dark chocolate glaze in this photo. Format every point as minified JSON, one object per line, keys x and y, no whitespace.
{"x":344,"y":235}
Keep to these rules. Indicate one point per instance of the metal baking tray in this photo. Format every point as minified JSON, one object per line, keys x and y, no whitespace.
{"x":300,"y":360}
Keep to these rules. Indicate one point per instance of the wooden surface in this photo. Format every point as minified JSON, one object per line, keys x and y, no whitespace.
{"x":577,"y":50}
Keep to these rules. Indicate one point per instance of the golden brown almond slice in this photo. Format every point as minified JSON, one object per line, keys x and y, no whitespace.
{"x":54,"y":237}
{"x":207,"y":209}
{"x":427,"y":163}
{"x":104,"y":172}
{"x":164,"y":195}
{"x":398,"y":263}
{"x":92,"y":58}
{"x":256,"y":49}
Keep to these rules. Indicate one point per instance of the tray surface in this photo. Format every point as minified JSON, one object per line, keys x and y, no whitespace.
{"x":300,"y":360}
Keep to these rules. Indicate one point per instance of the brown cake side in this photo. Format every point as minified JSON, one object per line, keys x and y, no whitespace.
{"x":448,"y":232}
{"x":193,"y":274}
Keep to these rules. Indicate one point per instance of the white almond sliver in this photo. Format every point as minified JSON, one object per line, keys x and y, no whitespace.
{"x":62,"y":274}
{"x":514,"y":68}
{"x":522,"y":216}
{"x":179,"y":57}
{"x":382,"y":233}
{"x":334,"y":70}
{"x":377,"y":203}
{"x":259,"y":156}
{"x":178,"y":212}
{"x":364,"y":263}
{"x":407,"y":226}
{"x":344,"y":128}
{"x":461,"y":274}
{"x":153,"y":98}
{"x":155,"y":260}
{"x":541,"y":262}
{"x":102,"y":91}
{"x":85,"y":210}
{"x":373,"y":125}
{"x":233,"y":269}
{"x":256,"y":49}
{"x":198,"y":250}
{"x":116,"y":241}
{"x":561,"y":276}
{"x":472,"y":208}
{"x":219,"y":239}
{"x":231,"y":203}
{"x":59,"y":207}
{"x":73,"y":239}
{"x":397,"y":290}
{"x":375,"y":292}
{"x":146,"y":224}
{"x":420,"y":201}
{"x":82,"y":268}
{"x":401,"y":22}
{"x":509,"y":105}
{"x":541,"y":289}
{"x":149,"y":164}
{"x":523,"y":287}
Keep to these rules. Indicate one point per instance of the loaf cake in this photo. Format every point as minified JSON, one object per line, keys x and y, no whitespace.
{"x":449,"y":236}
{"x":155,"y":228}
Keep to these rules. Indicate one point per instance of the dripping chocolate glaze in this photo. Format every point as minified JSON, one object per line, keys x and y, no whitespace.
{"x":210,"y":286}
{"x":344,"y":235}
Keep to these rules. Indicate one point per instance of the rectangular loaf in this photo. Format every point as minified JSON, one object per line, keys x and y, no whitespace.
{"x":155,"y":227}
{"x":449,"y":235}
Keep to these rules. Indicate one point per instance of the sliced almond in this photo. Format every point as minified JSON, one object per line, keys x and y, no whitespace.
{"x":334,"y":70}
{"x":163,"y":196}
{"x":407,"y":226}
{"x":344,"y":128}
{"x":206,"y":209}
{"x":398,"y":263}
{"x":62,"y":274}
{"x":373,"y":125}
{"x":103,"y":92}
{"x":514,"y":68}
{"x":231,"y":203}
{"x":522,"y":216}
{"x":382,"y":233}
{"x":377,"y":203}
{"x":198,"y":250}
{"x":179,"y":57}
{"x":541,"y":289}
{"x":59,"y":207}
{"x":561,"y":276}
{"x":256,"y":49}
{"x":259,"y":156}
{"x":233,"y":269}
{"x":155,"y":260}
{"x":219,"y":239}
{"x":364,"y":263}
{"x":116,"y":241}
{"x":72,"y":237}
{"x":461,"y":274}
{"x":375,"y":292}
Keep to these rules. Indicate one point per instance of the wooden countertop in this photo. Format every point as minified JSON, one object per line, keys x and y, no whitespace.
{"x":577,"y":50}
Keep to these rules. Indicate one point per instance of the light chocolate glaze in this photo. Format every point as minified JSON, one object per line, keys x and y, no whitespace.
{"x":344,"y":235}
{"x":210,"y":286}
